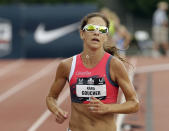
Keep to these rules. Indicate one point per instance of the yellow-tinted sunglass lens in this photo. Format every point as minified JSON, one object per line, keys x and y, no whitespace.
{"x":103,"y":29}
{"x":90,"y":28}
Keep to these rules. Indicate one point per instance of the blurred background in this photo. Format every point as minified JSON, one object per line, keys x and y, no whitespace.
{"x":36,"y":34}
{"x":22,"y":20}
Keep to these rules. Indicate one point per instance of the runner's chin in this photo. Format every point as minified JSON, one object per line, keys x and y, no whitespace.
{"x":95,"y":44}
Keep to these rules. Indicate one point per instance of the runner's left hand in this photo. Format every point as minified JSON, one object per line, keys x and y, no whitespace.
{"x":98,"y":107}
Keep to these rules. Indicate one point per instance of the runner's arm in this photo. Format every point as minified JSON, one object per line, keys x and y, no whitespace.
{"x":56,"y":88}
{"x":121,"y":76}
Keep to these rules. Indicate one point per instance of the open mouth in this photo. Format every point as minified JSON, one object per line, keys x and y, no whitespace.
{"x":95,"y":39}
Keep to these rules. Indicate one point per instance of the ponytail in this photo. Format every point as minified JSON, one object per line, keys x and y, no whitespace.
{"x":115,"y":52}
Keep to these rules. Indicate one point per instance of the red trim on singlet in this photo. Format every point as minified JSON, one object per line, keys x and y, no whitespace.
{"x":98,"y":71}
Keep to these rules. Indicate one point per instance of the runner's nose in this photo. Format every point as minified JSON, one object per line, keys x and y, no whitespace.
{"x":96,"y":32}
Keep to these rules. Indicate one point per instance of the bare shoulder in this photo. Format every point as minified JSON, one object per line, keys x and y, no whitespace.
{"x":116,"y":64}
{"x":65,"y":66}
{"x":118,"y":69}
{"x":66,"y":62}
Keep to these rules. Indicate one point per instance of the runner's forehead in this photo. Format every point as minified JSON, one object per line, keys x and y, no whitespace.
{"x":96,"y":21}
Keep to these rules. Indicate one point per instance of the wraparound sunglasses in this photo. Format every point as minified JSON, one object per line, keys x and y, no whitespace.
{"x":92,"y":28}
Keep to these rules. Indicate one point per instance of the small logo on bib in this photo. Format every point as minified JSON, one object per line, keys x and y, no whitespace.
{"x":90,"y":81}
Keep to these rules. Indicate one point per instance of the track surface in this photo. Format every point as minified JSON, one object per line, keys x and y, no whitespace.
{"x":24,"y":85}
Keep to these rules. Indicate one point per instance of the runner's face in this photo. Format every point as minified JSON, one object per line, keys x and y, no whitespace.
{"x":94,"y":39}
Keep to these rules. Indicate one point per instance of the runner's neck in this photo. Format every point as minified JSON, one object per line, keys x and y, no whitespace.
{"x":92,"y":58}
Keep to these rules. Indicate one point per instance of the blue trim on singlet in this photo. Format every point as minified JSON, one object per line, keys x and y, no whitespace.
{"x":108,"y":72}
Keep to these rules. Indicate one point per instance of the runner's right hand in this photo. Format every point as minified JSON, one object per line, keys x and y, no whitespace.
{"x":61,"y":116}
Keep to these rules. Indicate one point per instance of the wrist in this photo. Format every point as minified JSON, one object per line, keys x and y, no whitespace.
{"x":110,"y":108}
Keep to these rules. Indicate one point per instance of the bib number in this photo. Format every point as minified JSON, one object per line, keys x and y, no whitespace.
{"x":91,"y":90}
{"x":88,"y":87}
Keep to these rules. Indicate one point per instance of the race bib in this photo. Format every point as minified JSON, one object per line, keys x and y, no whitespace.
{"x":88,"y":87}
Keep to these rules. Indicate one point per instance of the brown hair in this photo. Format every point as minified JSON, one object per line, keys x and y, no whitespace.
{"x":114,"y":51}
{"x":111,"y":49}
{"x":95,"y":14}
